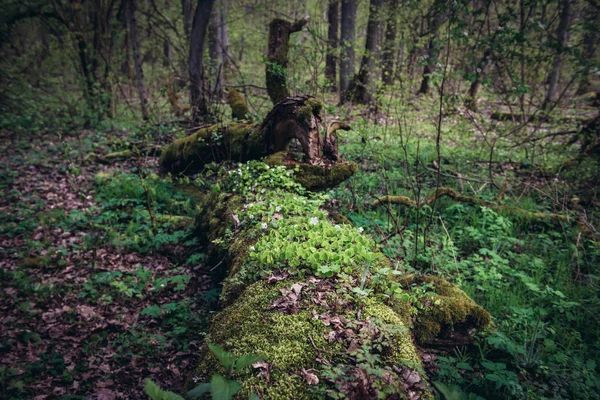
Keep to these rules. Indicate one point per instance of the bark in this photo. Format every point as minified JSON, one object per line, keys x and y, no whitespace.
{"x":389,"y":43}
{"x":482,"y":68}
{"x":360,"y":90}
{"x":348,"y":33}
{"x":277,"y":57}
{"x":333,"y":18}
{"x":137,"y":57}
{"x":436,"y":21}
{"x":198,"y":101}
{"x":562,"y":38}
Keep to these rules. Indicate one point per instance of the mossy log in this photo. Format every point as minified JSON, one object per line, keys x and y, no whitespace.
{"x":295,"y":118}
{"x":314,"y":297}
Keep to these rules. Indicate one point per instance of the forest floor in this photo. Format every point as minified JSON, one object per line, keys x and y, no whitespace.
{"x":81,"y":313}
{"x":102,"y":290}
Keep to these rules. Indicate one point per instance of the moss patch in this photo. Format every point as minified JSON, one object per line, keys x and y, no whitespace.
{"x":447,"y":308}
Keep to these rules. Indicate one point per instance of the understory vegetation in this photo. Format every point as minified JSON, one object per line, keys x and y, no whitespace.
{"x":337,"y":199}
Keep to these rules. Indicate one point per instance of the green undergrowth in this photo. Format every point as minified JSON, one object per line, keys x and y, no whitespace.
{"x":105,"y":261}
{"x":538,"y":278}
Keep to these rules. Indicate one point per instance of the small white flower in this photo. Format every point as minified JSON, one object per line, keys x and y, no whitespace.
{"x":162,"y":285}
{"x":263,"y":190}
{"x":339,"y":228}
{"x":478,"y":70}
{"x":360,"y":230}
{"x":251,"y":216}
{"x":268,"y":167}
{"x":265,"y":226}
{"x":271,"y":180}
{"x":277,"y":208}
{"x":196,"y":379}
{"x":252,"y":248}
{"x":314,"y":221}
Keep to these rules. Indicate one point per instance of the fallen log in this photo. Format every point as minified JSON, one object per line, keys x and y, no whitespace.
{"x":317,"y":300}
{"x":293,"y":119}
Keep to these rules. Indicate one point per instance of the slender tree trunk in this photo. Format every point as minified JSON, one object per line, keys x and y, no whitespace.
{"x":186,"y":10}
{"x":333,"y":17}
{"x":167,"y":46}
{"x":82,"y":51}
{"x":591,"y":36}
{"x":432,"y":51}
{"x":590,"y":40}
{"x":196,"y":66}
{"x":277,"y":57}
{"x":389,"y":43}
{"x":348,"y":33}
{"x":562,"y":37}
{"x":482,"y":68}
{"x":137,"y":58}
{"x":219,"y":45}
{"x":360,"y":89}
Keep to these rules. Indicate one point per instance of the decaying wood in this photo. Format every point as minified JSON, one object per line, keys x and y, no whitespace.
{"x":295,"y":118}
{"x":277,"y":56}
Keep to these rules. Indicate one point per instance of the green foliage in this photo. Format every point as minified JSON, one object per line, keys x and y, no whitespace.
{"x":522,"y":271}
{"x":156,"y":393}
{"x":249,"y":177}
{"x":130,"y":207}
{"x":220,"y":387}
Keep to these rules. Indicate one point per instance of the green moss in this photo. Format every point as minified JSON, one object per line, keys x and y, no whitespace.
{"x":248,"y":326}
{"x":315,"y":177}
{"x":449,"y":307}
{"x":213,"y":143}
{"x":312,"y":108}
{"x":402,"y":348}
{"x":239,"y":108}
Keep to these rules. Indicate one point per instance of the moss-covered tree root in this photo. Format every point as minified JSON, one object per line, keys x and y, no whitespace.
{"x":438,"y":193}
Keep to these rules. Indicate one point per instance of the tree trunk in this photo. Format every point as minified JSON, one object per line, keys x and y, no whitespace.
{"x":219,"y":46}
{"x":277,"y":57}
{"x":137,"y":57}
{"x":389,"y":43}
{"x":432,"y":50}
{"x":348,"y":33}
{"x":591,"y":27}
{"x":361,"y":88}
{"x":186,"y":10}
{"x":482,"y":67}
{"x":562,"y":38}
{"x":198,"y":100}
{"x":333,"y":17}
{"x":83,"y":52}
